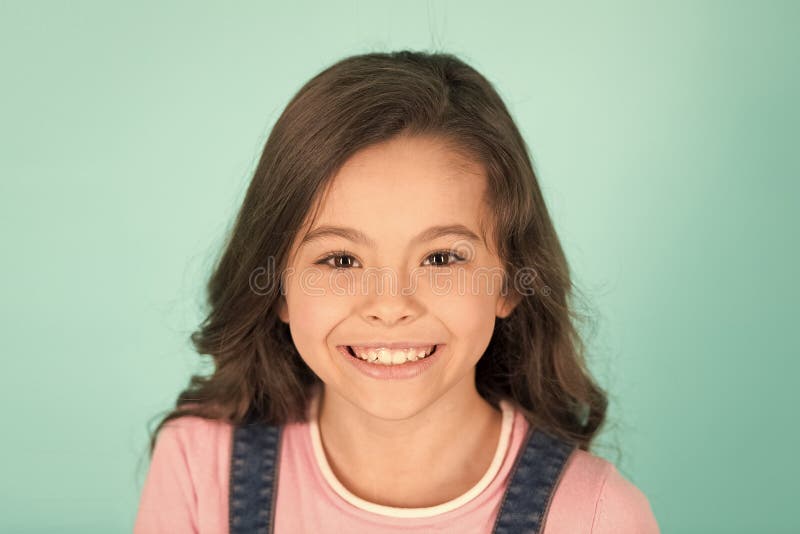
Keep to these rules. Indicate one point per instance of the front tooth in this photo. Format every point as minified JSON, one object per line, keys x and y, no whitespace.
{"x":398,"y":356}
{"x":384,"y":356}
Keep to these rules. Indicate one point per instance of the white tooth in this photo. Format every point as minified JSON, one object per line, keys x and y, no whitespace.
{"x":384,"y":356}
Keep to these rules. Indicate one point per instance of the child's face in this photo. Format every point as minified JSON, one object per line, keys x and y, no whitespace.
{"x":391,"y":193}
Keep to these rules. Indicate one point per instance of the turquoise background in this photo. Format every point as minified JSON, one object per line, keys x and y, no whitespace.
{"x":665,"y":136}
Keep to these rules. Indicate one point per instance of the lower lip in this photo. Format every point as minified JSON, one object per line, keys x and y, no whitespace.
{"x":393,"y":372}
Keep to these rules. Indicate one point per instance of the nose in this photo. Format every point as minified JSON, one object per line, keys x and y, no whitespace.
{"x":388,"y":319}
{"x":388,"y":310}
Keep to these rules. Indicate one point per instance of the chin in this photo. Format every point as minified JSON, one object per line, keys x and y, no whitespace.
{"x":383,"y":404}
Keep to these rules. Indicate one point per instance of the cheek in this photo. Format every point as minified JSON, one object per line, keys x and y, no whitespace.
{"x":468,"y":312}
{"x":478,"y":326}
{"x":471,"y":316}
{"x":313,"y":314}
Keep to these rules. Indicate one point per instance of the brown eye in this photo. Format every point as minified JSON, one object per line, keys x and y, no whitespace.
{"x":338,"y":260}
{"x":344,"y":261}
{"x":442,"y":258}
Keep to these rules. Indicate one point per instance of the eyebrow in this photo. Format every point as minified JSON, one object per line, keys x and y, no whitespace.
{"x":356,"y":236}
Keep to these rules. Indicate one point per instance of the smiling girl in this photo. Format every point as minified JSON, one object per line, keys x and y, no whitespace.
{"x":392,"y":332}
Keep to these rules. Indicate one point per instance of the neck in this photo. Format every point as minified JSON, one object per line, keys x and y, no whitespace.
{"x":421,"y":461}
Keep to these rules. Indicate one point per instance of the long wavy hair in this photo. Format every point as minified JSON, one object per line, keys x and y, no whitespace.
{"x":535,"y":357}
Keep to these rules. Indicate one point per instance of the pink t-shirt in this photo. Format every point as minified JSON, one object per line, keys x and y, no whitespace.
{"x":186,"y":489}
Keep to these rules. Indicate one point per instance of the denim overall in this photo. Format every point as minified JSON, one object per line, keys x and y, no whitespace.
{"x":254,"y":481}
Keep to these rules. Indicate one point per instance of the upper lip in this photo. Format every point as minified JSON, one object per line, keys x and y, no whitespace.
{"x":393,"y":344}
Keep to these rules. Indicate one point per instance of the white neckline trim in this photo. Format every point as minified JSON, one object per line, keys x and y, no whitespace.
{"x":491,"y":472}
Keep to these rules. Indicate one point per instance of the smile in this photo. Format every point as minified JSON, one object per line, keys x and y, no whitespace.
{"x":373,"y":362}
{"x":387,"y":356}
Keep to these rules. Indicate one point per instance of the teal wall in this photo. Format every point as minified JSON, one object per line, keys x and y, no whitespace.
{"x":665,"y":136}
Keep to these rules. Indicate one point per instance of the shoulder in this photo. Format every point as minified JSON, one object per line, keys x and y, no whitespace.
{"x":186,"y":484}
{"x":200,"y":448}
{"x":622,"y":507}
{"x":191,"y":426}
{"x":195,"y":436}
{"x":593,"y":492}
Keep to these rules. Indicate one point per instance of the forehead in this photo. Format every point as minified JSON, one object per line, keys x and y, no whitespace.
{"x":403,"y":186}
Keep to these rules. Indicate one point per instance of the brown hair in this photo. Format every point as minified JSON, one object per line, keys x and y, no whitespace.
{"x":535,"y":356}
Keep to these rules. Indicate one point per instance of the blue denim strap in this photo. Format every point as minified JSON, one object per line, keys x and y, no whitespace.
{"x":534,"y":477}
{"x":254,"y":479}
{"x":255,"y":454}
